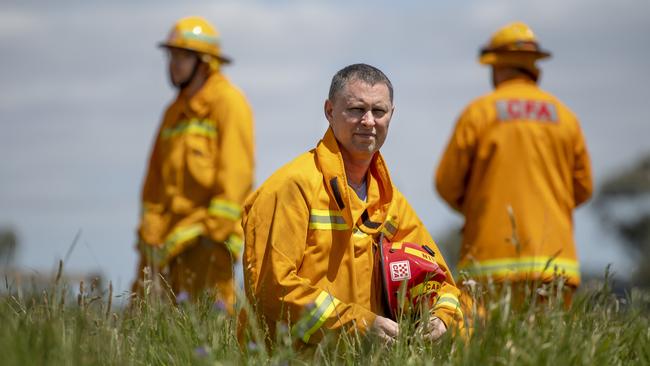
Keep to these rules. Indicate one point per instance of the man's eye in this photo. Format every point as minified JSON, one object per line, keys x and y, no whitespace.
{"x":356,"y":110}
{"x":378,"y":112}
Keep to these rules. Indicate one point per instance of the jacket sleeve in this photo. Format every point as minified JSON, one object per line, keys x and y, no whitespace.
{"x":153,"y":221}
{"x":582,"y":179}
{"x":453,"y":171}
{"x":276,"y":228}
{"x":234,"y":176}
{"x":447,"y":307}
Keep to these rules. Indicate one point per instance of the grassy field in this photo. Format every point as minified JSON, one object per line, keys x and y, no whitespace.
{"x":63,"y":326}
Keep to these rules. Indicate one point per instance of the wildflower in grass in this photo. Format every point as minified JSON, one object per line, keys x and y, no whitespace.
{"x":201,"y":351}
{"x":220,"y":306}
{"x":182,"y":297}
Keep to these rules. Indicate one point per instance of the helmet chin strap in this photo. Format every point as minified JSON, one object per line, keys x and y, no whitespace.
{"x":183,"y":84}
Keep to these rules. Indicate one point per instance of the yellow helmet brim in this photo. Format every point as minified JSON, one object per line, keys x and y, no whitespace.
{"x":511,"y":58}
{"x":223,"y":59}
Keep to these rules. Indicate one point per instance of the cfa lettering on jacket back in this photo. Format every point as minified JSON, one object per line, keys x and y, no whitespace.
{"x":526,"y":110}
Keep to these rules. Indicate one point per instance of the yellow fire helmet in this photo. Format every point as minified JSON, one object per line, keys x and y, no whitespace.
{"x":196,"y":34}
{"x":514,"y":44}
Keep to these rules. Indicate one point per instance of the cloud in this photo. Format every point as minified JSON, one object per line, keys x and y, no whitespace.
{"x":16,"y":23}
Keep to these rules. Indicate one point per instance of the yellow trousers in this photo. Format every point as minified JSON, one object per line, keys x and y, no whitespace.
{"x":205,"y":267}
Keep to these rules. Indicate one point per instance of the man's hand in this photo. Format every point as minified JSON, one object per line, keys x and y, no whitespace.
{"x":434,"y":329}
{"x":385,"y":328}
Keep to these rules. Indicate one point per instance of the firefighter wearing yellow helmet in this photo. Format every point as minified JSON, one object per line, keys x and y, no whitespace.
{"x":516,"y":166}
{"x":200,"y":171}
{"x":516,"y":46}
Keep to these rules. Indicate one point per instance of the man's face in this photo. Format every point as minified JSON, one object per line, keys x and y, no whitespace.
{"x":359,"y":116}
{"x":181,"y":65}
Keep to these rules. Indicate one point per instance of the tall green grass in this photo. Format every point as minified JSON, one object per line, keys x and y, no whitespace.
{"x":83,"y":326}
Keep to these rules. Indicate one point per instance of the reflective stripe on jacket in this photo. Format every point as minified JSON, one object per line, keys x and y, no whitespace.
{"x":309,"y":258}
{"x":200,"y":171}
{"x":516,"y":166}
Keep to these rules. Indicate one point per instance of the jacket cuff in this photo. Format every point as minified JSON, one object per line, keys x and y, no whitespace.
{"x":448,"y":309}
{"x":446,"y":318}
{"x":365,"y":320}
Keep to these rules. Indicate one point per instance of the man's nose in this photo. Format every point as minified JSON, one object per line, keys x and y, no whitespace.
{"x":368,"y":119}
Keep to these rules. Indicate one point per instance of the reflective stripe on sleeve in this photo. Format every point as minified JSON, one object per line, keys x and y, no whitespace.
{"x":523,"y":266}
{"x":193,"y":126}
{"x":182,"y":235}
{"x":174,"y":242}
{"x":235,"y":244}
{"x":448,"y":301}
{"x":321,"y":309}
{"x":226,"y":209}
{"x":327,"y":220}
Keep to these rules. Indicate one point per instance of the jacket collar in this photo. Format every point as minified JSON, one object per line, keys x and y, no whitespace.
{"x":380,"y":188}
{"x":200,"y":104}
{"x":515,"y":81}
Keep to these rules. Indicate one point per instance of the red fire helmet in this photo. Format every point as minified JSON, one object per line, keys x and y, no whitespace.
{"x":413,"y":266}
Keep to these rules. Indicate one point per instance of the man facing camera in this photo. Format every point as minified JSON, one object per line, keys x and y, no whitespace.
{"x":313,"y":229}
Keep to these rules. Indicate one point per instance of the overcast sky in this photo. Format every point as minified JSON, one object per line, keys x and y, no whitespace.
{"x":82,"y":90}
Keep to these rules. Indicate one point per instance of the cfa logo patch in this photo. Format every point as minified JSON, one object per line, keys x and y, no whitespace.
{"x":400,"y":270}
{"x":526,"y":110}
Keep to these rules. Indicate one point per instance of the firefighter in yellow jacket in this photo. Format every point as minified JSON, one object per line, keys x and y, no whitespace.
{"x":516,"y":167}
{"x":200,"y":171}
{"x":312,"y":228}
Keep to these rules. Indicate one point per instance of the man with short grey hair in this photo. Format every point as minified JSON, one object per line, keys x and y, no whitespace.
{"x":366,"y":73}
{"x":312,"y":230}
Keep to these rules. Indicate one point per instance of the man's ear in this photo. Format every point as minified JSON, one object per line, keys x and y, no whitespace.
{"x":328,"y":109}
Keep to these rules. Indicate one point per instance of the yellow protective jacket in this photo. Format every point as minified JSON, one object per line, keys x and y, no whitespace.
{"x":309,"y":258}
{"x":516,"y":166}
{"x":200,"y":172}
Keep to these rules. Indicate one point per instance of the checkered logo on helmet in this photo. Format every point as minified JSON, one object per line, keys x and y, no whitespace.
{"x":400,"y":270}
